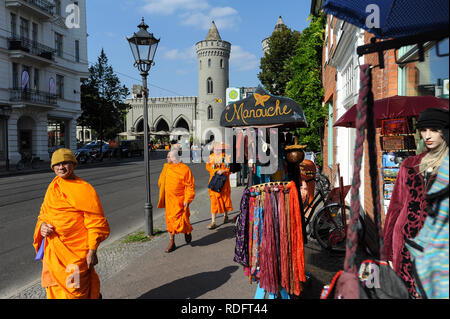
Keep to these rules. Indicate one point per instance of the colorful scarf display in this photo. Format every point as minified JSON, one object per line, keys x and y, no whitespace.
{"x":274,"y":238}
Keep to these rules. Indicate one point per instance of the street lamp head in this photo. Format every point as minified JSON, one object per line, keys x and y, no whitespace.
{"x":143,"y":46}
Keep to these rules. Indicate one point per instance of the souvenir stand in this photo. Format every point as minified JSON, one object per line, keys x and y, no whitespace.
{"x":270,"y":228}
{"x":401,"y":24}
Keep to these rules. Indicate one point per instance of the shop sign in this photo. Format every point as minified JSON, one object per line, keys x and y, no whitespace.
{"x":262,"y":108}
{"x":233,"y":95}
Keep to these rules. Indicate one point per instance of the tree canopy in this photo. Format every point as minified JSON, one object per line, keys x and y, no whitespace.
{"x":102,"y":100}
{"x":274,"y":74}
{"x":305,"y":85}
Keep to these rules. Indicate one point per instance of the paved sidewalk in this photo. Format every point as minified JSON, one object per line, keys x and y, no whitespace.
{"x":202,"y":269}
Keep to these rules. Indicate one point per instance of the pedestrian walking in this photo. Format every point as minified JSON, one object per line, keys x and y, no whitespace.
{"x":408,"y":206}
{"x":70,"y":227}
{"x":176,"y":191}
{"x":219,"y":163}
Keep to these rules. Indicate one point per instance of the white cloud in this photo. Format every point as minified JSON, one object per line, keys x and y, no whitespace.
{"x":223,"y":17}
{"x":167,"y":7}
{"x":196,"y":13}
{"x":181,"y":54}
{"x":241,"y":60}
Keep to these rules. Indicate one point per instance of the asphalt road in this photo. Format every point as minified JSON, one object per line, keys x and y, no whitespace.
{"x":121,"y":187}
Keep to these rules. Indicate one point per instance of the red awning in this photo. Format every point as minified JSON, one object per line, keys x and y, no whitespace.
{"x":394,"y":107}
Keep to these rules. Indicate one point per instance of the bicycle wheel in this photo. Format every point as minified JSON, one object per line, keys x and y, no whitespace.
{"x":20,"y":165}
{"x":329,"y":229}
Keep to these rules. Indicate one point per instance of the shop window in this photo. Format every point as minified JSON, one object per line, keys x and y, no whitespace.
{"x":427,"y":77}
{"x":56,"y":130}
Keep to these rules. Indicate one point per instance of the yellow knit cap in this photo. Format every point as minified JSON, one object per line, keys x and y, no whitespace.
{"x":63,"y":155}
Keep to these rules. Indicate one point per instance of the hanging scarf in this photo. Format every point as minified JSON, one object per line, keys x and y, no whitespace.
{"x":289,"y":237}
{"x":241,"y":248}
{"x":269,"y":263}
{"x":257,"y":234}
{"x":298,"y":256}
{"x":276,"y":224}
{"x":251,"y":208}
{"x":284,"y":251}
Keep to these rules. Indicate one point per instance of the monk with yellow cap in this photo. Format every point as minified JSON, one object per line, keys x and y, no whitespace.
{"x":176,"y":191}
{"x":70,"y":227}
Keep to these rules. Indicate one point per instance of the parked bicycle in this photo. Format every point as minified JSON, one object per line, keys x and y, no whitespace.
{"x":27,"y":159}
{"x":329,"y":225}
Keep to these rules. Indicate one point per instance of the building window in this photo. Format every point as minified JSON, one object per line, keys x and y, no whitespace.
{"x":210,"y":112}
{"x":58,"y":7}
{"x":200,"y":64}
{"x":13,"y":25}
{"x":24,"y":29}
{"x":36,"y":79}
{"x":221,"y":63}
{"x":60,"y":86}
{"x":209,"y":63}
{"x":15,"y":75}
{"x":59,"y":44}
{"x":27,"y":86}
{"x":209,"y":84}
{"x":330,"y":146}
{"x":77,"y":50}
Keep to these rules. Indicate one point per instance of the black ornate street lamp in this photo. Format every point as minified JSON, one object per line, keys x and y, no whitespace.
{"x":143,"y":46}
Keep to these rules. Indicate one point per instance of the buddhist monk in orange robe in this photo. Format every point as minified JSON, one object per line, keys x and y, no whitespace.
{"x":219,"y":162}
{"x":71,"y":225}
{"x":176,"y":191}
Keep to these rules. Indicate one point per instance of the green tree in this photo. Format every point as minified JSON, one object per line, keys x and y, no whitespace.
{"x":102,"y":100}
{"x":305,"y":86}
{"x":274,"y":74}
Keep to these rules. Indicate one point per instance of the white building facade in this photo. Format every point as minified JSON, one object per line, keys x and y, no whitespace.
{"x":43,"y":58}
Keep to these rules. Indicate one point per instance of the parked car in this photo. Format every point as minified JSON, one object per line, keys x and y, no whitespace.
{"x":90,"y":152}
{"x":129,"y":148}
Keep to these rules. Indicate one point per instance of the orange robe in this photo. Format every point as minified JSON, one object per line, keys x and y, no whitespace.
{"x":220,"y":202}
{"x":176,"y":186}
{"x":75,"y":211}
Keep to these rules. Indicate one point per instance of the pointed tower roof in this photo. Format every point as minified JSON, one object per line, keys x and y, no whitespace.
{"x":213,"y":33}
{"x":279,"y":24}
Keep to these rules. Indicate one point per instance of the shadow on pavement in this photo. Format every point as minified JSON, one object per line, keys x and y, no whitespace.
{"x":191,"y":286}
{"x":221,"y":233}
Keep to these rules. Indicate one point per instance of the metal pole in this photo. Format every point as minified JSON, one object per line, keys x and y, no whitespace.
{"x":148,"y":207}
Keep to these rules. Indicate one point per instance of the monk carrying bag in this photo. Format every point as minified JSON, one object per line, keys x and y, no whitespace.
{"x":217,"y":182}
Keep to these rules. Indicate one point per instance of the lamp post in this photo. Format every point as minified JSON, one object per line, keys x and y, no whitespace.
{"x":143,"y":46}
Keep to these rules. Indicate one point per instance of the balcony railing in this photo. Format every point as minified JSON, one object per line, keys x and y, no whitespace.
{"x":32,"y":96}
{"x":43,"y":5}
{"x":31,"y":46}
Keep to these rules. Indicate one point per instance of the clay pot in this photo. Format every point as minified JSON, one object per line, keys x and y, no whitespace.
{"x":295,"y":156}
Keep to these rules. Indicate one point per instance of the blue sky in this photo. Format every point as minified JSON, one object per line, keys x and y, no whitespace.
{"x":180,"y":24}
